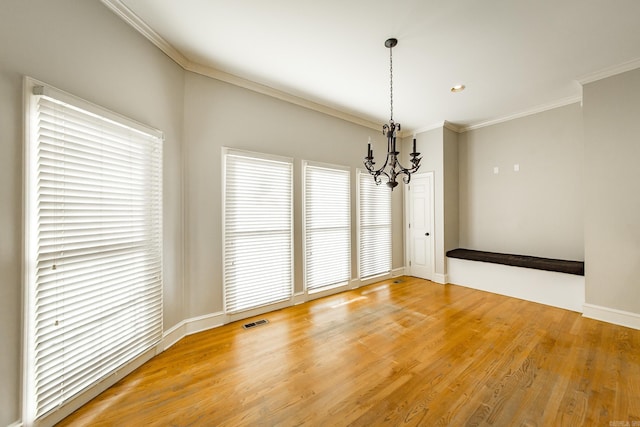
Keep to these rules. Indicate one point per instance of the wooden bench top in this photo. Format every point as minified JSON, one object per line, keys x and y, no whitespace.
{"x":548,"y":264}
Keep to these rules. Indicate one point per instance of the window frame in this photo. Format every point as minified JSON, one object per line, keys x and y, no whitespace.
{"x":362,"y":174}
{"x":32,"y":88}
{"x":259,"y":309}
{"x":339,"y":286}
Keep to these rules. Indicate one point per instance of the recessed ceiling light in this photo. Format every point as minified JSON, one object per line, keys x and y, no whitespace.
{"x":458,"y":88}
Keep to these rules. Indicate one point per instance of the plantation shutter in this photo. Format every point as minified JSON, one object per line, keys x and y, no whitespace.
{"x":258,"y":230}
{"x":97,"y":237}
{"x":375,"y":227}
{"x":327,"y":227}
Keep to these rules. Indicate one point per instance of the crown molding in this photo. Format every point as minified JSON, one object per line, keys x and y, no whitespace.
{"x":139,"y":25}
{"x":427,"y":128}
{"x":443,"y":124}
{"x":275,"y":93}
{"x":453,"y":127}
{"x":127,"y":15}
{"x":535,"y":110}
{"x":610,"y":71}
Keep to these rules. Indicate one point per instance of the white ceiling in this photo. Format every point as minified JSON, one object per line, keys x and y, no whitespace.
{"x":514,"y":56}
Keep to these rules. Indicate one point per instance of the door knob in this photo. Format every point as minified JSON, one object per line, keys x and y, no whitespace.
{"x":426,"y":234}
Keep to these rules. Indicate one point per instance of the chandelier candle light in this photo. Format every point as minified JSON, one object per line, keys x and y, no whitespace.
{"x":392,"y":167}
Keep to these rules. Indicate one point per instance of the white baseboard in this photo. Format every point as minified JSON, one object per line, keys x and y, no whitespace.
{"x":190,"y":326}
{"x":169,"y":338}
{"x":396,"y":272}
{"x":374,"y":279}
{"x":612,"y":315}
{"x":15,"y":424}
{"x":443,"y":279}
{"x":85,"y":396}
{"x":330,"y":291}
{"x":545,"y":287}
{"x":172,"y":336}
{"x":299,"y":298}
{"x":203,"y":323}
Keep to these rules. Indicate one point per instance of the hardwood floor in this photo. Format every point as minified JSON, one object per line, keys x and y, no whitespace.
{"x":409,"y":353}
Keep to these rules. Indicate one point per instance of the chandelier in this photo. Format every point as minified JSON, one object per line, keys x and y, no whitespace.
{"x":392,"y":167}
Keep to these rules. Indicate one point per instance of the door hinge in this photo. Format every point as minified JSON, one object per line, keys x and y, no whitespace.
{"x":409,"y":225}
{"x":409,"y":263}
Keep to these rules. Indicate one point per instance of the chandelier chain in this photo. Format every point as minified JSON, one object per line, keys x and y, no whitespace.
{"x":391,"y":79}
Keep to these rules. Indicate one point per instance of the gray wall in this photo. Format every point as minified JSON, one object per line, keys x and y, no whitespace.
{"x":218,"y":114}
{"x":537,"y":211}
{"x":542,"y":210}
{"x":612,"y":207}
{"x":431,"y":146}
{"x":83,"y":48}
{"x":439,"y":152}
{"x":451,"y":190}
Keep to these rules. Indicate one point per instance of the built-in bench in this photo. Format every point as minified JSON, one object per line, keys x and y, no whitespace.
{"x":548,"y":264}
{"x":555,"y":282}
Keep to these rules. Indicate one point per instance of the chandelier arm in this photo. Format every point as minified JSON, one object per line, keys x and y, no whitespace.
{"x":407,"y":178}
{"x":381,"y":170}
{"x":377,"y":175}
{"x":391,"y":174}
{"x":415,"y":166}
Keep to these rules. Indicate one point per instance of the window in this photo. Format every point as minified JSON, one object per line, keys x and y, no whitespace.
{"x":258,"y":230}
{"x":93,"y":245}
{"x":374,"y":217}
{"x":327,"y":216}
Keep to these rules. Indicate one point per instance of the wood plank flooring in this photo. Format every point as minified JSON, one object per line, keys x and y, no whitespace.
{"x":412,"y":353}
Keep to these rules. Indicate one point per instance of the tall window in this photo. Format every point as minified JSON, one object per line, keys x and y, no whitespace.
{"x":94,"y":245}
{"x":374,"y":221}
{"x":327,"y":215}
{"x":258,"y":230}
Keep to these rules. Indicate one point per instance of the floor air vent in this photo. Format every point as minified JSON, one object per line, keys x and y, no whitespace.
{"x":398,"y":281}
{"x":254,"y":324}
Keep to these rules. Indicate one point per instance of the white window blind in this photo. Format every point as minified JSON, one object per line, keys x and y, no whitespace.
{"x":94,"y":246}
{"x":327,"y":226}
{"x":374,"y":207}
{"x":258,"y":230}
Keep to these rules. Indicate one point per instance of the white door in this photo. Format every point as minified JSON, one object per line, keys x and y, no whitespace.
{"x":420,"y":226}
